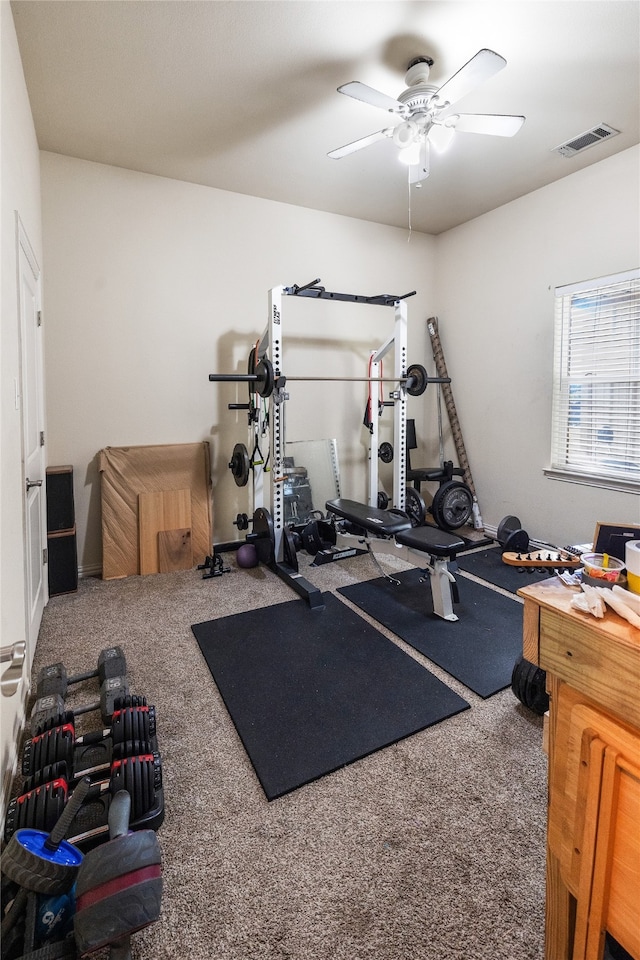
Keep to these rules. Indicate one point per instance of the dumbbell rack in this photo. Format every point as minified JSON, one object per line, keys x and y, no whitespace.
{"x":73,"y":796}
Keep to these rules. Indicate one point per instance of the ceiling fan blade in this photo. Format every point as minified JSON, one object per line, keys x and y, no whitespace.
{"x":496,"y":125}
{"x":480,"y":68}
{"x":360,"y":91}
{"x":359,"y":144}
{"x":420,"y":171}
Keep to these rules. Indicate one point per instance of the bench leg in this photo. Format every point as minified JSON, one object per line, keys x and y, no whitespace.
{"x":441,"y":579}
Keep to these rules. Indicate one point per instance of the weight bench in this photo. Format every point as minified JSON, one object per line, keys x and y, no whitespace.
{"x":393,"y":533}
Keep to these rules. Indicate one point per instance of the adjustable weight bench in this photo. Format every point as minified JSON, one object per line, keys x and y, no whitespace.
{"x":393,"y":533}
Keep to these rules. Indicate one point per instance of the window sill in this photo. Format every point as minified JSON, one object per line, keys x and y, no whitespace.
{"x":588,"y":480}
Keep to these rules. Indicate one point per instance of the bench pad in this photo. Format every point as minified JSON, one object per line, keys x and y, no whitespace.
{"x":384,"y":523}
{"x":430,"y":540}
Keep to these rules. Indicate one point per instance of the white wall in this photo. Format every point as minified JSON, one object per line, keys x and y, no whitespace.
{"x":495,"y":282}
{"x":151,"y":284}
{"x":20,"y":191}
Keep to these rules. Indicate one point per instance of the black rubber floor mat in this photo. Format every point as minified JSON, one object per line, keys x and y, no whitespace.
{"x":310,"y":691}
{"x":479,"y":649}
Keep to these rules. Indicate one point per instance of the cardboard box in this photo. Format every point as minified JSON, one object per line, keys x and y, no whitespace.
{"x":126,"y":472}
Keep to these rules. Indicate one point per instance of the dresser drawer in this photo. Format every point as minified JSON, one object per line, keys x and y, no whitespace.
{"x":605,"y":665}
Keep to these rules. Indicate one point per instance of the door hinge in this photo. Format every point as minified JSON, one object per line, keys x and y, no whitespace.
{"x":45,"y":556}
{"x":42,"y":438}
{"x":39,"y":316}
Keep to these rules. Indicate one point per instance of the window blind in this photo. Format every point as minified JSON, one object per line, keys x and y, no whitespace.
{"x":596,"y":382}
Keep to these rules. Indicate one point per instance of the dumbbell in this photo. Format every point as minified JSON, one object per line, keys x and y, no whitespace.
{"x":54,"y":678}
{"x":119,"y":885}
{"x":113,"y":692}
{"x":41,"y":807}
{"x":511,"y":537}
{"x":132,"y":731}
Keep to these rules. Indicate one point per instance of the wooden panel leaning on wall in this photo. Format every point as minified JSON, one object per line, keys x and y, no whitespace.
{"x":128,"y":472}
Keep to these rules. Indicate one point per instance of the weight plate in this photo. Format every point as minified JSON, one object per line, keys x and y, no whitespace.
{"x":528,"y":683}
{"x":289,"y":549}
{"x":383,"y":500}
{"x":506,"y":526}
{"x":251,"y":369}
{"x":241,"y":521}
{"x":516,"y":542}
{"x":452,"y":505}
{"x":265,"y":382}
{"x":310,"y":538}
{"x":263,"y":536}
{"x":385,"y":452}
{"x":419,"y":378}
{"x":240,"y":465}
{"x":414,"y":506}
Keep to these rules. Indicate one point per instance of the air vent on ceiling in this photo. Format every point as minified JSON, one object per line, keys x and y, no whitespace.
{"x":588,"y":139}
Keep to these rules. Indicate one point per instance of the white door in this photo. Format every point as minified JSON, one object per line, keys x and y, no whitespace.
{"x":33,"y":452}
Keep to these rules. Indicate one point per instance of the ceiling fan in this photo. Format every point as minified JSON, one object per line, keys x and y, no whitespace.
{"x":424,"y":110}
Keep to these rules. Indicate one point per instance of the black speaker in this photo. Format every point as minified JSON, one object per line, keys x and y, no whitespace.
{"x":63,"y":562}
{"x":60,"y":507}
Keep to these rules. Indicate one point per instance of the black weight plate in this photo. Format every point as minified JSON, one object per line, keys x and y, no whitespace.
{"x":240,"y":465}
{"x":289,"y":549}
{"x":310,"y":538}
{"x":49,"y":806}
{"x":516,"y":542}
{"x":54,"y":771}
{"x":265,"y":382}
{"x":420,"y":380}
{"x":251,"y":369}
{"x":528,"y":685}
{"x":452,"y":505}
{"x":414,"y":506}
{"x":537,"y":698}
{"x":263,"y":536}
{"x":506,"y":526}
{"x":383,"y":500}
{"x":241,"y":521}
{"x":516,"y":679}
{"x":385,"y":452}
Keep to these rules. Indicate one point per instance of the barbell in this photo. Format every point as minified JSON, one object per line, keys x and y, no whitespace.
{"x":416,"y":379}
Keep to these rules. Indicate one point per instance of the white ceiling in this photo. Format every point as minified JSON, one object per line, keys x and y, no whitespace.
{"x":241,"y":94}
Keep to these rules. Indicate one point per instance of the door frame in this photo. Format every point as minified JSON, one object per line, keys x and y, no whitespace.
{"x":35,"y":602}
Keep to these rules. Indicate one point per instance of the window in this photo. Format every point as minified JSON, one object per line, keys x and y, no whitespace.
{"x":596,"y":383}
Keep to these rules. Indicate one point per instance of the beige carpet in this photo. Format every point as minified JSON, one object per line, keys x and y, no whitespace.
{"x":433,"y":848}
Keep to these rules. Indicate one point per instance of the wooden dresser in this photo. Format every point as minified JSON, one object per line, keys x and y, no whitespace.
{"x":593,"y":834}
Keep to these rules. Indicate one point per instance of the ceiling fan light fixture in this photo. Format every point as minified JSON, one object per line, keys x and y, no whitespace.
{"x":441,"y":136}
{"x":405,"y":134}
{"x":411,"y":154}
